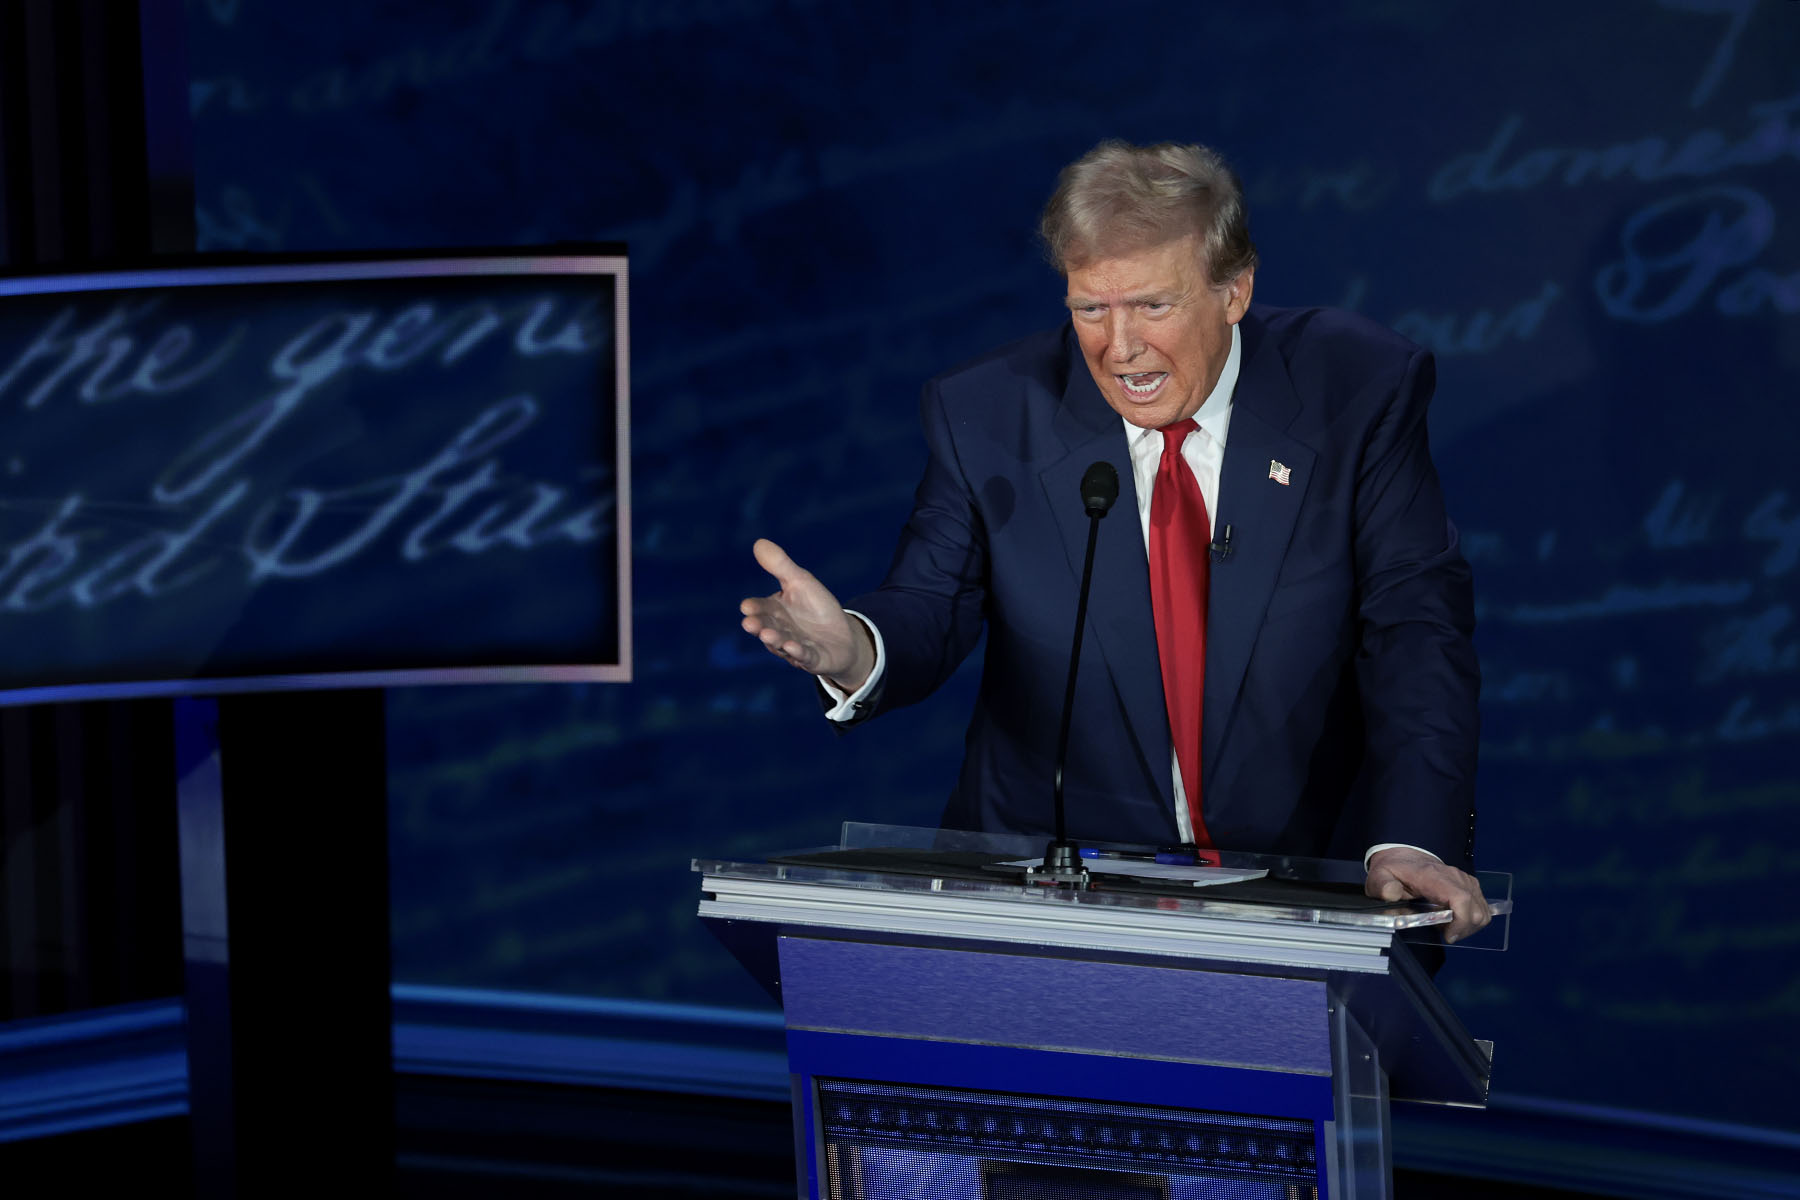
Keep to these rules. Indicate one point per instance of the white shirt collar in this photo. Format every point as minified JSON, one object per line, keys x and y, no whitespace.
{"x":1214,"y":416}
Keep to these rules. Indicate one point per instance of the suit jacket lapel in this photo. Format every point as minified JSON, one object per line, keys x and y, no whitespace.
{"x":1119,"y":615}
{"x":1262,"y":513}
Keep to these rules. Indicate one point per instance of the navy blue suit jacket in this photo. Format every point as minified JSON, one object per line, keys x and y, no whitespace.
{"x":1341,"y":684}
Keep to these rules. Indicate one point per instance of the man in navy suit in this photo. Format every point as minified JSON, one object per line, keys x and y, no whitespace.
{"x":1290,"y":563}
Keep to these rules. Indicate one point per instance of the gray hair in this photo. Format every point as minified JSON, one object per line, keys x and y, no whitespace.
{"x":1118,"y":198}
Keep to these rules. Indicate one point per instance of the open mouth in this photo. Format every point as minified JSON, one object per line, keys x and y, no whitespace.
{"x":1145,"y":384}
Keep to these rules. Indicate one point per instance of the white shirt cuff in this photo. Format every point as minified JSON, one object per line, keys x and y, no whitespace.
{"x":844,"y":703}
{"x":1373,"y":850}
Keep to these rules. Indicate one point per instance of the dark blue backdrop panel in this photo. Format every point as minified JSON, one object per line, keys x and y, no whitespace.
{"x":210,"y":475}
{"x":1588,"y":212}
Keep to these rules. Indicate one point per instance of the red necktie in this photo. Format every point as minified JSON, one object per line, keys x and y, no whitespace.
{"x":1180,"y":541}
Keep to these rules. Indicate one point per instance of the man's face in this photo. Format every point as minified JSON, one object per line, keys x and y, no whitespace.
{"x":1154,"y":330}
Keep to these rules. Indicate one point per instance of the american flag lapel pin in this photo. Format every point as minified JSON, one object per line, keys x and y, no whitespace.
{"x":1280,"y":472}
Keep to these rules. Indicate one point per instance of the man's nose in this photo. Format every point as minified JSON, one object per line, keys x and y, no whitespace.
{"x":1123,"y":341}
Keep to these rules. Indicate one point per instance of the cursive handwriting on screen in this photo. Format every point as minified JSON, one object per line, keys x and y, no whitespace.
{"x":232,"y":440}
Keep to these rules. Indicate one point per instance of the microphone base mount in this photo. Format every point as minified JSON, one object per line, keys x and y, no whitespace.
{"x":1062,"y":867}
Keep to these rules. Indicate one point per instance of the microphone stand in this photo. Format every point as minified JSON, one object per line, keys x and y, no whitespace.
{"x":1062,"y":863}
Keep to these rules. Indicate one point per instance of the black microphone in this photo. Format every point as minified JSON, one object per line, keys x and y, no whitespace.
{"x":1062,"y":859}
{"x":1221,"y":548}
{"x":1099,"y":488}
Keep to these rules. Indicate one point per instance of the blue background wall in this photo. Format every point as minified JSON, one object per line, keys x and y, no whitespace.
{"x":1591,"y":212}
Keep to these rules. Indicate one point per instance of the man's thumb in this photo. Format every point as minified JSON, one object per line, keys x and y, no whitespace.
{"x":773,"y":559}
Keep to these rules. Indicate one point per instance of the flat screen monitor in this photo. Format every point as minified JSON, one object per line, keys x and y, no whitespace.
{"x":358,"y":472}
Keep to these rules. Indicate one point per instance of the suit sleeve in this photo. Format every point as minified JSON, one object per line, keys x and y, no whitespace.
{"x":931,"y":605}
{"x":1416,"y":668}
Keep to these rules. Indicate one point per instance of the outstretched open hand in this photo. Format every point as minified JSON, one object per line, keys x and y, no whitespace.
{"x":804,"y":624}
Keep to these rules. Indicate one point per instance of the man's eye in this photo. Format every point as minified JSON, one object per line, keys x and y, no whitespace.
{"x":1156,"y":306}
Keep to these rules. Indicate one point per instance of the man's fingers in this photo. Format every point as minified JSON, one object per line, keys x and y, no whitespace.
{"x":1461,"y":894}
{"x":780,"y":641}
{"x":1383,"y":885}
{"x":767,"y":626}
{"x":1472,"y":915}
{"x":759,"y":617}
{"x":1462,"y":923}
{"x":1401,"y":877}
{"x":1400,"y":873}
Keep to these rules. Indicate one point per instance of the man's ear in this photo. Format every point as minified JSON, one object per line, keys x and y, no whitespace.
{"x":1237,"y":301}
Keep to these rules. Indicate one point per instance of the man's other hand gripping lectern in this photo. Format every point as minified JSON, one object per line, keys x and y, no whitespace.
{"x":956,"y":1032}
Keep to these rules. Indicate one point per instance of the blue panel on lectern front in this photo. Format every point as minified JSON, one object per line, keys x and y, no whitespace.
{"x":1068,"y":1003}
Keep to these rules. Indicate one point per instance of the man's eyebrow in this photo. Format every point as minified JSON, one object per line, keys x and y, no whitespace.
{"x":1159,"y":296}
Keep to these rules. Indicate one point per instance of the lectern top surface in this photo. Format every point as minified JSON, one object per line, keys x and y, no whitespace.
{"x":1307,"y":892}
